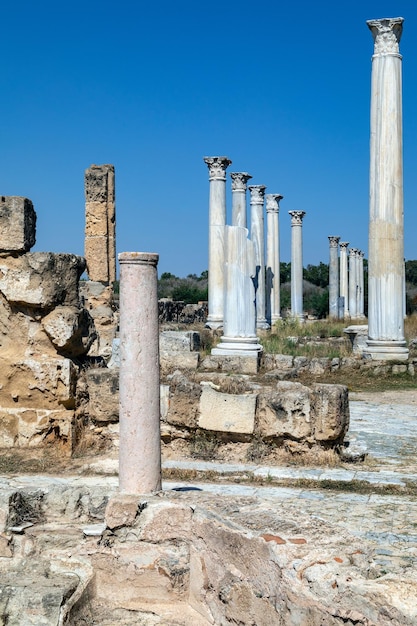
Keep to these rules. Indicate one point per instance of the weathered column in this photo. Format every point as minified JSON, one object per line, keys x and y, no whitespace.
{"x":273,"y":301}
{"x":257,"y":194}
{"x":139,"y":419}
{"x":361,"y":299}
{"x":100,"y":223}
{"x":386,"y":232}
{"x":239,"y":180}
{"x":344,"y":285}
{"x":217,"y":221}
{"x":239,"y":331}
{"x":353,"y":283}
{"x":334,"y":277}
{"x":297,"y":264}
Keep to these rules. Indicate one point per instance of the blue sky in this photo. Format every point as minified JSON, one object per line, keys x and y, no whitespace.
{"x":281,"y":88}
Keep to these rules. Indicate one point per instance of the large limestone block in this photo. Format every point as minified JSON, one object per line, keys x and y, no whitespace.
{"x":178,"y":341}
{"x":70,"y":329}
{"x":17,"y":224}
{"x":329,"y":411}
{"x":285,"y":412}
{"x":226,"y":412}
{"x":97,"y":255}
{"x":103,"y":392}
{"x":41,"y":279}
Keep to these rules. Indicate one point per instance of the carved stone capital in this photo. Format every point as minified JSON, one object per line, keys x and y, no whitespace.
{"x":297,"y":217}
{"x":344,"y":245}
{"x":217,"y":167}
{"x":353,"y":252}
{"x":239,"y":180}
{"x":387,"y":34}
{"x":257,"y":194}
{"x":333,"y":241}
{"x":272,"y":202}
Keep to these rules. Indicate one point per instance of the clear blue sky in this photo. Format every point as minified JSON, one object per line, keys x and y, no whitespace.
{"x":282,"y":88}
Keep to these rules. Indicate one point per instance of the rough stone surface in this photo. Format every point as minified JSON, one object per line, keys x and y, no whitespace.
{"x":226,"y":412}
{"x":70,"y":329}
{"x":17,"y":224}
{"x":330,"y":411}
{"x":285,"y":412}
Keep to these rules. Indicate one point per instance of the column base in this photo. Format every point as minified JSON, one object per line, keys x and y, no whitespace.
{"x":275,"y":318}
{"x":214,"y":322}
{"x":380,"y":350}
{"x":237,"y":346}
{"x":262,"y":324}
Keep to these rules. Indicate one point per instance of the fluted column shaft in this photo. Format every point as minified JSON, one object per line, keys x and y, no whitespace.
{"x":257,"y":194}
{"x":361,"y":306}
{"x":386,"y":236}
{"x":273,"y":300}
{"x":344,"y":285}
{"x":139,"y":418}
{"x":353,"y":284}
{"x":217,"y":221}
{"x":239,"y":180}
{"x":334,"y":277}
{"x":297,"y":264}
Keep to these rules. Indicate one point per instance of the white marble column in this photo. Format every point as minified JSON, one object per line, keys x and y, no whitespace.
{"x":217,"y":221}
{"x":353,"y":283}
{"x":361,"y":299}
{"x":139,"y":419}
{"x":297,"y":264}
{"x":239,"y":336}
{"x":239,"y":180}
{"x":386,"y":231}
{"x":273,"y":300}
{"x":344,"y":285}
{"x":257,"y":235}
{"x":333,"y":277}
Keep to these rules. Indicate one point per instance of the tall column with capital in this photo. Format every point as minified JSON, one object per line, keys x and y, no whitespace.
{"x":217,"y":221}
{"x":361,"y":286}
{"x":273,"y":301}
{"x":344,"y":285}
{"x":257,"y":194}
{"x":297,"y":264}
{"x":353,"y":283}
{"x":386,"y":231}
{"x":140,"y":437}
{"x":334,"y":277}
{"x":239,"y":180}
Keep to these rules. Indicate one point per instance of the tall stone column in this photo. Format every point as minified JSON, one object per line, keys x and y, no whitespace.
{"x":257,"y":194}
{"x":297,"y":264}
{"x":334,"y":277}
{"x":386,"y":231}
{"x":100,"y":223}
{"x":239,"y":180}
{"x":344,"y":285}
{"x":353,"y":284}
{"x":217,"y":221}
{"x":361,"y":305}
{"x":239,"y":336}
{"x":273,"y":301}
{"x":140,"y":439}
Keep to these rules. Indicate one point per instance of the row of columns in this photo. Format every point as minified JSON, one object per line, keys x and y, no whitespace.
{"x":346,"y":281}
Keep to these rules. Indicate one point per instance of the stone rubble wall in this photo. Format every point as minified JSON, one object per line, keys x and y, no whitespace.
{"x":44,"y":331}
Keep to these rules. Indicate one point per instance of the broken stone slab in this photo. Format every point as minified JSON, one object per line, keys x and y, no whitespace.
{"x":17,"y":224}
{"x":285,"y":411}
{"x":70,"y":329}
{"x":235,"y":364}
{"x":226,"y":412}
{"x":179,"y":341}
{"x":41,"y":279}
{"x":329,"y":412}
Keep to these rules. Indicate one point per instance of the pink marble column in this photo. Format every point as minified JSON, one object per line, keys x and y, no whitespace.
{"x":140,"y":439}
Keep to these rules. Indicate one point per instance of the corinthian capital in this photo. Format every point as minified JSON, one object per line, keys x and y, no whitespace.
{"x":257,"y":194}
{"x":333,"y":241}
{"x":272,"y":202}
{"x":297,"y":217}
{"x":217,"y":167}
{"x":353,"y":252}
{"x":344,"y":245}
{"x":239,"y":180}
{"x":387,"y":34}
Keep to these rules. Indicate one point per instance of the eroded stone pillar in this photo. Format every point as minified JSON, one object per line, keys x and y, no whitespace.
{"x":239,"y":337}
{"x":334,"y":277}
{"x":100,"y":223}
{"x":140,"y":439}
{"x":353,"y":283}
{"x":344,"y":285}
{"x":273,"y":300}
{"x":386,"y":235}
{"x":217,"y":221}
{"x":257,"y":195}
{"x":239,"y":186}
{"x":297,"y":264}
